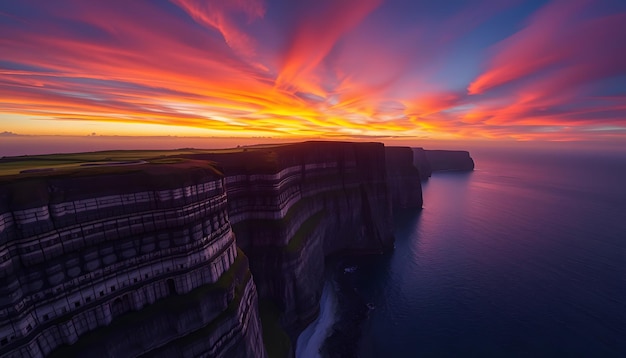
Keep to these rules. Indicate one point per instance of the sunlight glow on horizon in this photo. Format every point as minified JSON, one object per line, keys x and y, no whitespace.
{"x":323,"y":69}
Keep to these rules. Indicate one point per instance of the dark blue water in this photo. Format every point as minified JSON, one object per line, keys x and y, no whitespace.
{"x":525,"y":256}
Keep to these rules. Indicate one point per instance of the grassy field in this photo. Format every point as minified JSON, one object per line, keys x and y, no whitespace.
{"x":259,"y":157}
{"x":56,"y":162}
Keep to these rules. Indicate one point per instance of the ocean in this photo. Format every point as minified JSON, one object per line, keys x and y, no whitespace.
{"x":523,"y":257}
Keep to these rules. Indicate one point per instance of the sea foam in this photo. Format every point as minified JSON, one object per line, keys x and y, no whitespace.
{"x":311,"y":339}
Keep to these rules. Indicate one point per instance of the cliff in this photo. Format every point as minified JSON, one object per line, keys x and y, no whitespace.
{"x":140,"y":257}
{"x":442,"y":160}
{"x":313,"y":199}
{"x":403,"y":178}
{"x":109,"y":254}
{"x":420,"y":161}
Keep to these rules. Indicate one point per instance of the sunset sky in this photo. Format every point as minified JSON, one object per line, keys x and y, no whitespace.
{"x":493,"y":69}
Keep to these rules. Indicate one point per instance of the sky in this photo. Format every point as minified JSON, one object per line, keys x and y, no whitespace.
{"x":487,"y":70}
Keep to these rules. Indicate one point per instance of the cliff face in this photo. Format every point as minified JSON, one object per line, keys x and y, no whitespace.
{"x":141,"y":259}
{"x":420,"y":161}
{"x":312,"y":200}
{"x":403,"y":178}
{"x":429,"y":161}
{"x":105,"y":256}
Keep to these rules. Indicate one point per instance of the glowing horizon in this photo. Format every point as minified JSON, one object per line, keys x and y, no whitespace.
{"x":499,"y":70}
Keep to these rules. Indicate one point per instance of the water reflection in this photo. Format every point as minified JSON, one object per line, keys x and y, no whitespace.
{"x":519,"y":257}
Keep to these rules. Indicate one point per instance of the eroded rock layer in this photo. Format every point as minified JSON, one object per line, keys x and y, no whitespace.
{"x":86,"y":250}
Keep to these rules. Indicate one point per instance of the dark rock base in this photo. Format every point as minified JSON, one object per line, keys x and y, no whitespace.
{"x":352,"y":311}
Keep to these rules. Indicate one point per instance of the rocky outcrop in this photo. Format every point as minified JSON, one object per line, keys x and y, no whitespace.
{"x":403,"y":178}
{"x":110,"y":254}
{"x":429,"y":161}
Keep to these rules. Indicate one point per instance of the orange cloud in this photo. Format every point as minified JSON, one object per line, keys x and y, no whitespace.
{"x":332,"y":68}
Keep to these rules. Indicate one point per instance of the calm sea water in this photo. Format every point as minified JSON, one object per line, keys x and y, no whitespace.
{"x":525,"y":256}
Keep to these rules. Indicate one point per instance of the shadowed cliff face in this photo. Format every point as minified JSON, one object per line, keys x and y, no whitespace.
{"x":420,"y":161}
{"x":123,"y":262}
{"x":403,"y":178}
{"x":313,"y":199}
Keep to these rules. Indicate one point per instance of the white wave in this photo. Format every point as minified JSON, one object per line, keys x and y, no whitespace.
{"x":311,"y":339}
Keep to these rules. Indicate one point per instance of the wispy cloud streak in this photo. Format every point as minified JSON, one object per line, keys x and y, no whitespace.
{"x":325,"y":68}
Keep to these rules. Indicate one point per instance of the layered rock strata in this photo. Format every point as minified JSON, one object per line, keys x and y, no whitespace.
{"x":83,"y":251}
{"x":293,"y":205}
{"x":141,"y":259}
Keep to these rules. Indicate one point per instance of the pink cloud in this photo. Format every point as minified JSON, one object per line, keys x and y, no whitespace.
{"x":545,"y":41}
{"x":217,"y":14}
{"x":547,"y":74}
{"x":316,"y":33}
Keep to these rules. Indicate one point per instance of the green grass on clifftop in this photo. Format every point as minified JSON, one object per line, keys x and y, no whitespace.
{"x":53,"y":163}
